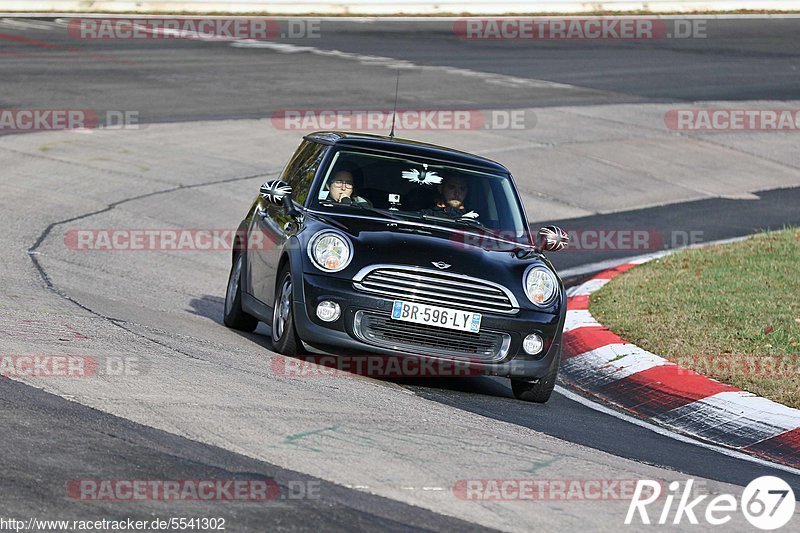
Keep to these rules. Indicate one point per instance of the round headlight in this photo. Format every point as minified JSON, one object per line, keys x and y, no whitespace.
{"x":541,"y":286}
{"x":330,"y":251}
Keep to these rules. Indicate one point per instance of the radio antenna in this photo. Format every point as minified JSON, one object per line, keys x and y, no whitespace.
{"x":394,"y":111}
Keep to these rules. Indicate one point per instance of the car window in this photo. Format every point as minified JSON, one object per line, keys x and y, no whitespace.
{"x":300,"y":171}
{"x":412,"y":188}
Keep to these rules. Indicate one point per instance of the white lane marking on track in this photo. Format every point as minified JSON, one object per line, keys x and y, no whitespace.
{"x":394,"y":64}
{"x":671,"y":434}
{"x":25,"y":24}
{"x":366,"y":487}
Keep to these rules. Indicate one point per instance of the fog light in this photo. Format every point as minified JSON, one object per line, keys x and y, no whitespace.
{"x":328,"y":311}
{"x":532,"y":344}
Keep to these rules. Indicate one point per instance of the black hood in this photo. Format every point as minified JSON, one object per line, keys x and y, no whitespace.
{"x":385,"y":241}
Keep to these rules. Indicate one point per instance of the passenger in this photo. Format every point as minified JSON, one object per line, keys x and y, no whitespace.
{"x":341,"y":189}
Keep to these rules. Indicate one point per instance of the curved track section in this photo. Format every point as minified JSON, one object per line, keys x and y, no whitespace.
{"x":178,"y":395}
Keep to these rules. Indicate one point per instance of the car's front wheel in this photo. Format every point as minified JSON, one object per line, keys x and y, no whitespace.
{"x":536,"y":391}
{"x":233,"y":316}
{"x":284,"y":335}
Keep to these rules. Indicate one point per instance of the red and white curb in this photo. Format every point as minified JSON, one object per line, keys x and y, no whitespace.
{"x":602,"y":364}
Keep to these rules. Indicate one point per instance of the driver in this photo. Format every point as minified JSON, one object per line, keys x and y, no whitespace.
{"x":452,"y":192}
{"x":341,"y":189}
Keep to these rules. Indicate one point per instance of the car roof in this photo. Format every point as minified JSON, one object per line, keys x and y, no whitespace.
{"x":405,"y":147}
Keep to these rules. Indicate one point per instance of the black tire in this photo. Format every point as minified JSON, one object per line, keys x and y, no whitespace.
{"x":233,"y":316}
{"x":538,"y":391}
{"x":284,"y":335}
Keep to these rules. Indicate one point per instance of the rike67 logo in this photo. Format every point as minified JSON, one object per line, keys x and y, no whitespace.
{"x":767,"y":503}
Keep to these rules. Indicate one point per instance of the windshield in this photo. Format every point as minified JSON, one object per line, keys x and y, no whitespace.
{"x":398,"y":186}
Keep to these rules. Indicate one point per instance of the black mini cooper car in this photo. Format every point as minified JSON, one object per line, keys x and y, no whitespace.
{"x":372,"y":244}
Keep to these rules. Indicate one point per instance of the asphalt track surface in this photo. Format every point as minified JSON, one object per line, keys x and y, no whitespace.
{"x":183,"y":81}
{"x":107,"y":447}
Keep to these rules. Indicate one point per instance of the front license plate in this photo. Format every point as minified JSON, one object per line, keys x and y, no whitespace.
{"x":432,"y":315}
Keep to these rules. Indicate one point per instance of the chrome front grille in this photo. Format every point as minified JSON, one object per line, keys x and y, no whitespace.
{"x":380,"y":330}
{"x":436,"y":288}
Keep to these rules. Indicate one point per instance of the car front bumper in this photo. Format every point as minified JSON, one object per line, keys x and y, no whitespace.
{"x":343,"y":337}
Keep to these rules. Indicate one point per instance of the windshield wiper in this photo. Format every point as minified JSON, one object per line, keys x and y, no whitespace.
{"x":365,"y":207}
{"x":471,"y":222}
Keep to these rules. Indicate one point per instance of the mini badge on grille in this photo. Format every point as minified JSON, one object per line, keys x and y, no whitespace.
{"x":441,"y":265}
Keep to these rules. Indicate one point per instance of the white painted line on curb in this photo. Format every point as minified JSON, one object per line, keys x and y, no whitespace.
{"x":613,"y":362}
{"x":580,"y":318}
{"x":671,"y":434}
{"x":769,"y":411}
{"x":589,"y":287}
{"x":769,"y":417}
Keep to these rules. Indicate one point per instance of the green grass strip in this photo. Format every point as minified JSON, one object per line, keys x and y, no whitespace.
{"x":730,"y":312}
